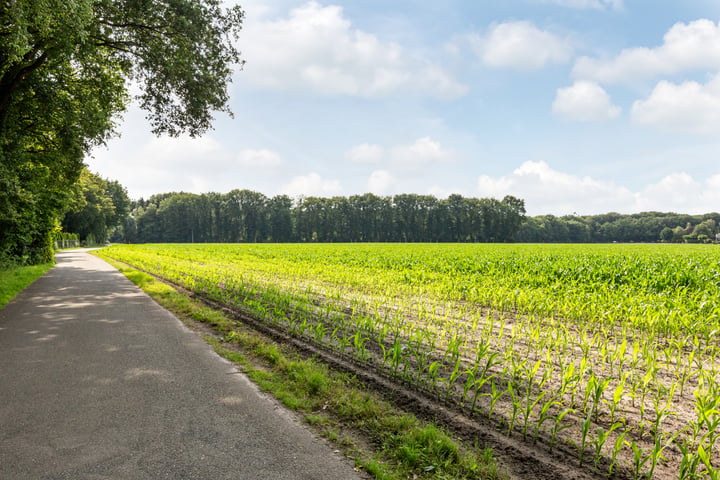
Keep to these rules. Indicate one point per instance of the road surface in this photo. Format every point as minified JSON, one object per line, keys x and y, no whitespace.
{"x":99,"y":382}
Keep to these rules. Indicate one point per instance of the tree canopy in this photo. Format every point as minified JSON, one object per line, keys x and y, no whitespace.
{"x":248,"y":216}
{"x":615,"y":227}
{"x":97,"y":207}
{"x":65,"y":71}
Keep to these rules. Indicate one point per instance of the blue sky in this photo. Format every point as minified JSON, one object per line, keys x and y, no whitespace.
{"x":576,"y":106}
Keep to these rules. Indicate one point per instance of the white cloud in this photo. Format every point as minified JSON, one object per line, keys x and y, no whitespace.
{"x":520,"y":45}
{"x":265,"y":159}
{"x":381,"y":182}
{"x":546,"y":190}
{"x":365,"y":153}
{"x":593,"y":4}
{"x":422,"y":153}
{"x":315,"y":48}
{"x":311,"y":185}
{"x":585,"y":102}
{"x":693,"y":46}
{"x":679,"y":192}
{"x":688,"y":107}
{"x":184,"y":151}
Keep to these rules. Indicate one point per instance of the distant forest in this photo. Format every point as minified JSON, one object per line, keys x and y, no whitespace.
{"x":248,"y":216}
{"x":615,"y":227}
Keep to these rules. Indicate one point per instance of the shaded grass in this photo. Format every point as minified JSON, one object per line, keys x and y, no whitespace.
{"x":383,"y":440}
{"x":14,"y":279}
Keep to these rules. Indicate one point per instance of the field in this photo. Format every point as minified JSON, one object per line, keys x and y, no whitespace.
{"x":605,"y":353}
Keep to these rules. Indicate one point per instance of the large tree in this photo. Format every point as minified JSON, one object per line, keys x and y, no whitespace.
{"x":65,"y":71}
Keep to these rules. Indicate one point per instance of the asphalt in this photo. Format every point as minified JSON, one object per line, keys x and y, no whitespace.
{"x":97,"y":381}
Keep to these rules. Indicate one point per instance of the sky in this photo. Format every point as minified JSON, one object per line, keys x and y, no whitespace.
{"x":576,"y":106}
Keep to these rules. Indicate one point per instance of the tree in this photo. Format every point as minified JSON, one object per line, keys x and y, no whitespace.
{"x":97,"y":207}
{"x":666,"y":234}
{"x":65,"y":69}
{"x":706,"y":228}
{"x":280,"y":218}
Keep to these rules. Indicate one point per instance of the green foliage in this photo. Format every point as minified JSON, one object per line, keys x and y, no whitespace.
{"x":646,"y":227}
{"x":99,"y":206}
{"x":247,"y":216}
{"x":64,"y":72}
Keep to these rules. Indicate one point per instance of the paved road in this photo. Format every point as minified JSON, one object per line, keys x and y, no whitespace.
{"x":99,"y":382}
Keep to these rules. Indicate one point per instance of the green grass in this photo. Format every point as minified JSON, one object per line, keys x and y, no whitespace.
{"x":14,"y":279}
{"x":387,"y":443}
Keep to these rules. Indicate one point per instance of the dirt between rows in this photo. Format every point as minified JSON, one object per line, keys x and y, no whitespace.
{"x":522,"y":459}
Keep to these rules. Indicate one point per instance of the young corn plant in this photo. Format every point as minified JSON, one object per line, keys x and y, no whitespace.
{"x":600,"y":439}
{"x":662,"y":441}
{"x":617,"y":448}
{"x":617,"y":397}
{"x":584,"y":438}
{"x":483,"y":377}
{"x":639,"y":460}
{"x":596,"y":395}
{"x":495,"y":395}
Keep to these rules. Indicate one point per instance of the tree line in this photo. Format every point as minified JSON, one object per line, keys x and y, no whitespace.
{"x":65,"y":72}
{"x":100,"y":210}
{"x":248,"y":216}
{"x":616,"y":227}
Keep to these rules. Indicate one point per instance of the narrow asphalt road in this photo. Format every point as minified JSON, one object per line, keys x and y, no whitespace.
{"x":99,"y":382}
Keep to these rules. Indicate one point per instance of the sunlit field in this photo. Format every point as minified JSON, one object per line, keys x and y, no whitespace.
{"x":607,"y":352}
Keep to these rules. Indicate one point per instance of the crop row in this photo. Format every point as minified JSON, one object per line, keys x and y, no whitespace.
{"x":609,"y":351}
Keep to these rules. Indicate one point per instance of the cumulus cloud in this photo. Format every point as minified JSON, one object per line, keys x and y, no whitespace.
{"x":316,"y":48}
{"x":311,"y":185}
{"x":592,"y":4}
{"x":521,"y":46}
{"x":266,"y":159}
{"x":680,"y":192}
{"x":365,"y":153}
{"x":184,"y":151}
{"x":584,"y":102}
{"x":686,"y":47}
{"x":381,"y":182}
{"x":688,"y":107}
{"x":546,"y":190}
{"x":423,"y":152}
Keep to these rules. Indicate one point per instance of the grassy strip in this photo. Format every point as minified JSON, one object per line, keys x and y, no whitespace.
{"x":382,"y":440}
{"x":14,"y":279}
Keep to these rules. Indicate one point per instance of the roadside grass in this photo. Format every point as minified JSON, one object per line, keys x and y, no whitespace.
{"x":14,"y":279}
{"x":382,"y":440}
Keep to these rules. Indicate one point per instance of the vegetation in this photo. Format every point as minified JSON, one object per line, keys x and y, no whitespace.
{"x":13,"y":279}
{"x":648,"y":227}
{"x":97,"y":206}
{"x":65,"y":70}
{"x":607,"y":351}
{"x":247,"y":216}
{"x":403,"y":445}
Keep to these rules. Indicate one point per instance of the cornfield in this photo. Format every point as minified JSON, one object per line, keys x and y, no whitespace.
{"x":608,"y":351}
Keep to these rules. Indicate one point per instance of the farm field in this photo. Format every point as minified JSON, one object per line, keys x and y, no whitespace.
{"x":605,"y":352}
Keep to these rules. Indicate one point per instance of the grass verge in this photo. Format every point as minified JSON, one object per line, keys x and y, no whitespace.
{"x":383,"y":440}
{"x":14,"y":279}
